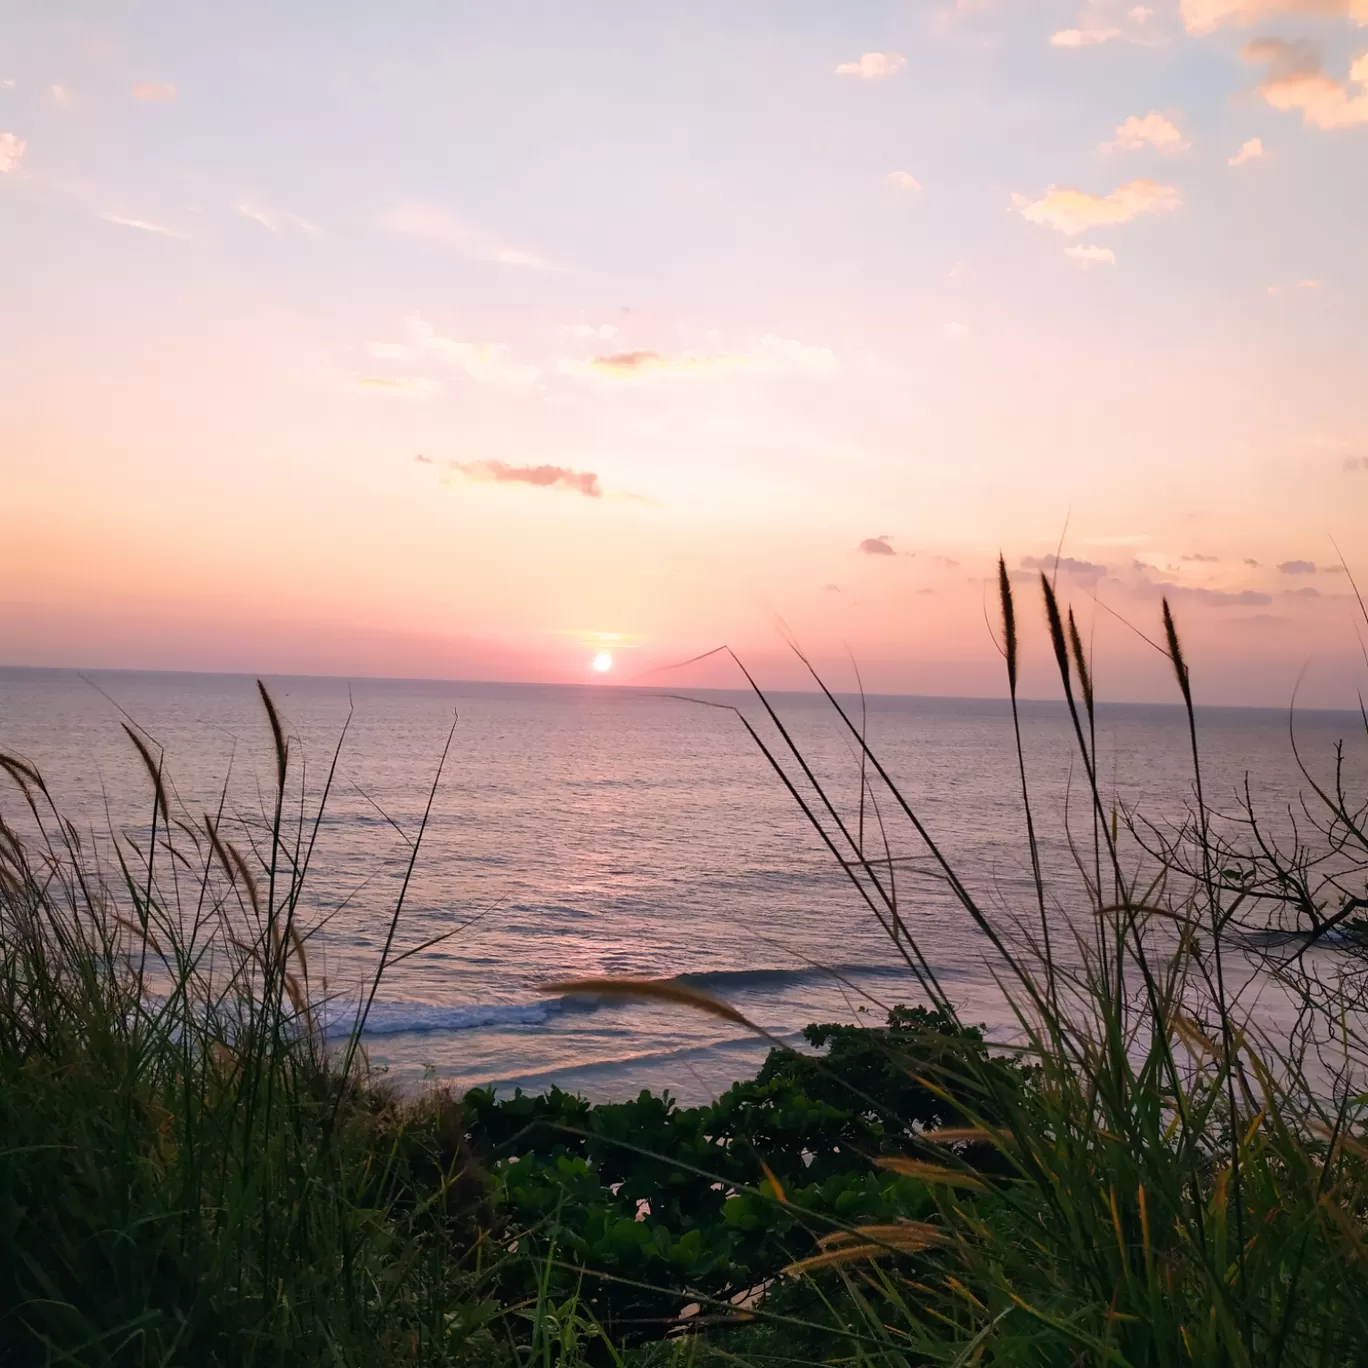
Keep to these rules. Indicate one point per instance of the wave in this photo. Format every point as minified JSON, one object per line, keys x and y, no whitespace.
{"x":742,"y":1045}
{"x":425,"y":1018}
{"x":741,"y":979}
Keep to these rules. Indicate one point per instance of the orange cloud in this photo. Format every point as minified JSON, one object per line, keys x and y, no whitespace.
{"x":773,"y":356}
{"x":584,"y":482}
{"x":1250,"y":150}
{"x":1205,"y":16}
{"x":155,"y":92}
{"x":1154,"y":130}
{"x":1294,"y":80}
{"x":903,"y":180}
{"x":873,"y":66}
{"x":1072,"y":211}
{"x":12,"y":148}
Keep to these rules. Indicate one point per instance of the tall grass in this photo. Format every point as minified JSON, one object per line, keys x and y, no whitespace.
{"x":1181,"y":1182}
{"x":187,"y":1174}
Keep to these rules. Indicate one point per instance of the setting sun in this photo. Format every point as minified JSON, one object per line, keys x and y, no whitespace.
{"x":603,"y":662}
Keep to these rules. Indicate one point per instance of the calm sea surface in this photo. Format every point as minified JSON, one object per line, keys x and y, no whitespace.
{"x":598,"y":830}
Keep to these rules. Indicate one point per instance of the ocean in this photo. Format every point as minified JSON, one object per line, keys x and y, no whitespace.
{"x":601,"y":830}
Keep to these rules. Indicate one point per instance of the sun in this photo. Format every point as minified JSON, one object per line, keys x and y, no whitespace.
{"x":602,"y":663}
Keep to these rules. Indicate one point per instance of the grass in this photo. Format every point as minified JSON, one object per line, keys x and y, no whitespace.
{"x":1149,"y":1175}
{"x":186,"y":1175}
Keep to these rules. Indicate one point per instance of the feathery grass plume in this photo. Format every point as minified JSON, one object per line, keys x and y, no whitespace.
{"x":654,"y":990}
{"x":928,"y":1173}
{"x":1057,"y":643}
{"x":282,"y":748}
{"x":1175,"y":652}
{"x":1081,"y":664}
{"x":864,"y":1244}
{"x":894,"y":1234}
{"x":154,"y":770}
{"x":234,"y":866}
{"x":1009,"y":630}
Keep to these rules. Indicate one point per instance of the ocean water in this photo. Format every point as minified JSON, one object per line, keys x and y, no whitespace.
{"x":581,"y":831}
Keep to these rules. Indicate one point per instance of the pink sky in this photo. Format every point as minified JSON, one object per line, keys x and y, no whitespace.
{"x":703,"y":324}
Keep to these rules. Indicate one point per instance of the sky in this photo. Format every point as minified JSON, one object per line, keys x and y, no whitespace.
{"x":506,"y":341}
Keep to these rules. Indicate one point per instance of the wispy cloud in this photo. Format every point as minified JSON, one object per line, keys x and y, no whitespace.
{"x":1297,"y":567}
{"x":1087,"y":254}
{"x":1072,"y":211}
{"x":873,"y":66}
{"x":1084,"y":37}
{"x":143,"y":225}
{"x":1295,"y":80}
{"x":155,"y":92}
{"x":490,"y":362}
{"x":1205,"y":16}
{"x":12,"y":148}
{"x":1250,"y":150}
{"x":273,"y":220}
{"x":903,"y":180}
{"x":584,"y":482}
{"x":1087,"y":571}
{"x":436,"y":225}
{"x":1153,"y":130}
{"x":876,"y":546}
{"x":772,"y":356}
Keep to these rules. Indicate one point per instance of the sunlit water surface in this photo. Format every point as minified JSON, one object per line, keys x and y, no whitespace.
{"x":600,"y":830}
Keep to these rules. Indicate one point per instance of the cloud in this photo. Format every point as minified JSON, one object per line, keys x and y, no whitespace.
{"x":1308,"y":591}
{"x":876,"y":546}
{"x":12,"y":148}
{"x":1249,"y":560}
{"x":144,"y":225}
{"x":61,"y":97}
{"x":1083,"y":570}
{"x":1352,"y":463}
{"x":1216,"y":598}
{"x":1201,"y":559}
{"x":436,"y":225}
{"x":1084,"y":37}
{"x":1294,"y":80}
{"x":1296,"y":567}
{"x":603,"y":331}
{"x":956,"y":332}
{"x":400,"y":388}
{"x":773,"y":356}
{"x":903,"y":180}
{"x":1086,"y":254}
{"x":873,"y":66}
{"x":490,"y":362}
{"x":1154,"y":130}
{"x":155,"y":92}
{"x":1250,"y":150}
{"x":831,"y":588}
{"x":584,"y":482}
{"x":272,"y":220}
{"x":1205,"y":16}
{"x":1072,"y":211}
